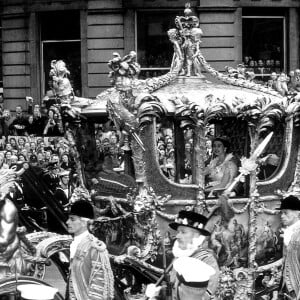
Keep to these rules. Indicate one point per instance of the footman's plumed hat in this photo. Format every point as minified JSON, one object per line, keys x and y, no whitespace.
{"x":82,"y":208}
{"x":191,"y":219}
{"x":291,"y":202}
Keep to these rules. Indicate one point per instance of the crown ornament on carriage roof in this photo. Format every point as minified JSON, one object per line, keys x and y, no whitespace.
{"x":186,"y":39}
{"x":188,"y":21}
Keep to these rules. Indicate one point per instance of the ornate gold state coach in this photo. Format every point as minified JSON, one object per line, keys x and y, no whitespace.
{"x":191,"y":102}
{"x":194,"y":99}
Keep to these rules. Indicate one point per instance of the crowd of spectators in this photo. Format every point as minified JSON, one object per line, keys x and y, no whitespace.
{"x":39,"y":150}
{"x":32,"y":136}
{"x":50,"y":160}
{"x":263,"y":67}
{"x":166,"y":152}
{"x":38,"y":135}
{"x":36,"y":140}
{"x":37,"y":121}
{"x":54,"y":154}
{"x":109,"y":150}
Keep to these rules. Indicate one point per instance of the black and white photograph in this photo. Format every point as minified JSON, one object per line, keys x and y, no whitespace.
{"x":149,"y":149}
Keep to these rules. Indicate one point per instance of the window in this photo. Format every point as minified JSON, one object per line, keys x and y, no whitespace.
{"x":154,"y":49}
{"x":60,"y":40}
{"x":264,"y":45}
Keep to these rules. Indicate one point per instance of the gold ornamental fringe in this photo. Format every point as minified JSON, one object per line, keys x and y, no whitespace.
{"x":108,"y":275}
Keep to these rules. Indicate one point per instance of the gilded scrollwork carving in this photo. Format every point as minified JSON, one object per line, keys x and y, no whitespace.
{"x":139,"y":212}
{"x":234,"y":284}
{"x":44,"y":244}
{"x":130,"y":103}
{"x":11,"y":259}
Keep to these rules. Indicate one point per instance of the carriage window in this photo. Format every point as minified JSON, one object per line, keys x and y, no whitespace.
{"x":108,"y":149}
{"x":166,"y":149}
{"x":270,"y":158}
{"x":61,"y":41}
{"x":188,"y":155}
{"x":263,"y":45}
{"x":176,"y":158}
{"x":154,"y":49}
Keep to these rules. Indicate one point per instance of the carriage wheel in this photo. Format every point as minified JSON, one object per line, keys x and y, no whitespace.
{"x":8,"y":286}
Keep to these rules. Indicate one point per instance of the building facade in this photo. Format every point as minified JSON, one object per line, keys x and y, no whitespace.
{"x":264,"y":34}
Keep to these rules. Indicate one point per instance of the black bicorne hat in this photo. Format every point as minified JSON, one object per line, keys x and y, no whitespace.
{"x":191,"y":219}
{"x":291,"y":202}
{"x":82,"y":208}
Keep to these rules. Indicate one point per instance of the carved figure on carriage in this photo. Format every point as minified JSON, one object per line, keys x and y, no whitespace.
{"x":60,"y":81}
{"x":10,"y":257}
{"x":63,"y":90}
{"x":227,"y":284}
{"x":187,"y":43}
{"x":176,"y":39}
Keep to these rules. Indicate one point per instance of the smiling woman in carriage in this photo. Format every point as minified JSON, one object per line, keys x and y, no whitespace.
{"x":222,"y":169}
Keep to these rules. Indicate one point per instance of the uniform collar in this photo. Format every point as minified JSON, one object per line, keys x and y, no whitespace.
{"x":76,"y":242}
{"x":289,"y":231}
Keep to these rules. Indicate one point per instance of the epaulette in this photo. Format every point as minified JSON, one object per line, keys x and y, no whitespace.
{"x":97,"y":244}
